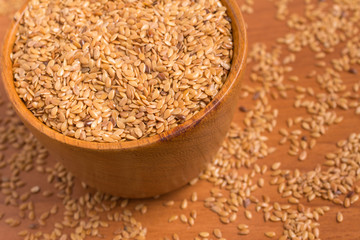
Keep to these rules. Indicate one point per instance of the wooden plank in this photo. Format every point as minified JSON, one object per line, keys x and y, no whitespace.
{"x":263,"y":28}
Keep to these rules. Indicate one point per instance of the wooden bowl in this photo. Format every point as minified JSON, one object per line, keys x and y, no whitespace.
{"x":149,"y":166}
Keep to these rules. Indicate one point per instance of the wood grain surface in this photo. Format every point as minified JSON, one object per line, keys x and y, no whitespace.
{"x":263,"y":28}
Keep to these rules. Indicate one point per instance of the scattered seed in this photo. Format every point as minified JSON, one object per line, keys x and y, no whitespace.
{"x":194,"y":197}
{"x":35,"y":189}
{"x":354,"y":198}
{"x":23,"y":233}
{"x":193,"y":214}
{"x":270,"y":234}
{"x":217,"y":233}
{"x":302,"y":155}
{"x":248,"y":214}
{"x":12,"y":222}
{"x":204,"y":234}
{"x":173,"y":218}
{"x":347,"y":202}
{"x":246,"y":202}
{"x":191,"y":221}
{"x":244,"y":232}
{"x":339,"y":217}
{"x":169,"y":203}
{"x":183,"y":218}
{"x":33,"y":226}
{"x":184,"y":204}
{"x":353,"y":71}
{"x":242,"y":226}
{"x":261,"y":182}
{"x":276,"y":166}
{"x":175,"y":236}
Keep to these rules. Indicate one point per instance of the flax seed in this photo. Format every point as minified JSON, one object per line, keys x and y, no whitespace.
{"x":303,"y":156}
{"x":270,"y":234}
{"x":169,"y":203}
{"x":183,"y":218}
{"x":276,"y":166}
{"x":248,"y":214}
{"x":339,"y":217}
{"x":173,"y":218}
{"x":244,"y":232}
{"x":217,"y":233}
{"x":35,"y":189}
{"x":184,"y":204}
{"x":204,"y":234}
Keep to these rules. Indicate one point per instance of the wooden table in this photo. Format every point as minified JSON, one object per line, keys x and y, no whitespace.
{"x":264,"y":28}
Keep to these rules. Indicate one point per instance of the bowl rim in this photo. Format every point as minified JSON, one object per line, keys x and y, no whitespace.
{"x":237,"y":67}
